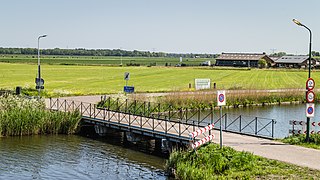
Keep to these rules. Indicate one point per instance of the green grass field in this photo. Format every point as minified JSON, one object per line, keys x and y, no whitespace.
{"x":101,"y":60}
{"x":78,"y":80}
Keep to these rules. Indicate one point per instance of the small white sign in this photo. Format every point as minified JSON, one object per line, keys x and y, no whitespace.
{"x":202,"y":84}
{"x":180,"y":59}
{"x":126,"y":76}
{"x":221,"y":98}
{"x":310,"y":110}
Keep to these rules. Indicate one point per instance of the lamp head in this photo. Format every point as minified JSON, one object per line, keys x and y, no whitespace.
{"x":43,"y":36}
{"x":297,"y":22}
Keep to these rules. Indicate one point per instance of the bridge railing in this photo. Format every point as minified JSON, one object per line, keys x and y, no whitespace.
{"x":180,"y":121}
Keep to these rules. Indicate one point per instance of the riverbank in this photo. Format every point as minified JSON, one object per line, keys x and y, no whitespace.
{"x":20,"y":116}
{"x":211,"y":162}
{"x":300,"y":140}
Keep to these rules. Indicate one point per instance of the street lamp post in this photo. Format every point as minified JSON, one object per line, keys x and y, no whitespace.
{"x":39,"y":72}
{"x":309,"y":76}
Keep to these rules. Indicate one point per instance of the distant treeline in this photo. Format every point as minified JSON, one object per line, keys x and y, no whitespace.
{"x":99,"y":52}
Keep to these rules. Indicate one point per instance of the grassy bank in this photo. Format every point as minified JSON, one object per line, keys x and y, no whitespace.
{"x":20,"y":116}
{"x":300,"y":140}
{"x":62,"y":80}
{"x":211,"y":162}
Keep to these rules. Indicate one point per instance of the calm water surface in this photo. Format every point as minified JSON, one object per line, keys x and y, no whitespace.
{"x":281,"y":113}
{"x":74,"y":157}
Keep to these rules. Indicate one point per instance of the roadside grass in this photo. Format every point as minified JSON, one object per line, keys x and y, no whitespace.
{"x":211,"y":162}
{"x":299,"y":140}
{"x":62,"y":80}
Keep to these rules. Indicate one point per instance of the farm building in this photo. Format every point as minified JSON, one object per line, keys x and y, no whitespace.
{"x":294,"y":62}
{"x":242,"y":59}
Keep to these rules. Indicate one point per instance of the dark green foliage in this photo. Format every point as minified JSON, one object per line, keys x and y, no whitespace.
{"x":300,"y":139}
{"x":211,"y":162}
{"x":20,"y":116}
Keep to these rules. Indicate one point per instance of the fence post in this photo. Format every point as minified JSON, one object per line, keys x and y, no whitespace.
{"x":73,"y":106}
{"x":50,"y":103}
{"x":225,"y":122}
{"x":166,"y":124}
{"x":58,"y":107}
{"x":159,"y":111}
{"x":126,"y":109}
{"x":65,"y":105}
{"x":272,"y":128}
{"x":90,"y":110}
{"x":240,"y":124}
{"x":199,"y":117}
{"x":144,"y":108}
{"x":109,"y":101}
{"x":256,"y":124}
{"x":94,"y":111}
{"x":81,"y":108}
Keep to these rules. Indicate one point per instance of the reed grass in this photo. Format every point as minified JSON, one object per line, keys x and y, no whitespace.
{"x":20,"y":116}
{"x":211,"y":162}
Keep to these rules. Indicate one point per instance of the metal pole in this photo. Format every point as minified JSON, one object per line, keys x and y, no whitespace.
{"x":220,"y":126}
{"x":309,"y":76}
{"x":39,"y":71}
{"x":39,"y":76}
{"x":308,"y":118}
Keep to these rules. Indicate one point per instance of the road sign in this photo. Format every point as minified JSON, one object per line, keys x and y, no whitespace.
{"x":39,"y":87}
{"x":202,"y":141}
{"x":221,"y":98}
{"x":310,"y":84}
{"x":128,"y":89}
{"x":126,"y":76}
{"x":201,"y":130}
{"x":310,"y":97}
{"x":310,"y":110}
{"x":39,"y":82}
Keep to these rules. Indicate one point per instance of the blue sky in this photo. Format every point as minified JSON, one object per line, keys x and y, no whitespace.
{"x":186,"y":26}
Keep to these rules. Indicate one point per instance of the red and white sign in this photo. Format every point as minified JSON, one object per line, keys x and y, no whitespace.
{"x":221,"y":98}
{"x":310,"y":110}
{"x":310,"y":84}
{"x":302,"y":132}
{"x":202,"y":141}
{"x":201,"y":130}
{"x":294,"y":122}
{"x":310,"y":96}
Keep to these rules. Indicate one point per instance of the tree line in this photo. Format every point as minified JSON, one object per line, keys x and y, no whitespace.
{"x":99,"y":52}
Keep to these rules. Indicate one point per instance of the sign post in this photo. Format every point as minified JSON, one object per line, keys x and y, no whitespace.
{"x":221,"y":99}
{"x":310,"y":96}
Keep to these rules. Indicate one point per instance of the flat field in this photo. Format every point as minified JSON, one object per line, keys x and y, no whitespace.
{"x":79,"y":80}
{"x":102,"y":60}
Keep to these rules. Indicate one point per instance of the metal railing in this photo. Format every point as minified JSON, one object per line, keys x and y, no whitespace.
{"x":165,"y":119}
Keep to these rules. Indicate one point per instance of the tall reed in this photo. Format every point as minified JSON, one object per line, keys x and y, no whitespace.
{"x":20,"y":116}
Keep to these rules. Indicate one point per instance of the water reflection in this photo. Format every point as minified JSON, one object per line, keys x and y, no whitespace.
{"x":73,"y":157}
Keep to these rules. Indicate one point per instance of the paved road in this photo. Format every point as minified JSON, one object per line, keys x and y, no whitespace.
{"x":266,"y":148}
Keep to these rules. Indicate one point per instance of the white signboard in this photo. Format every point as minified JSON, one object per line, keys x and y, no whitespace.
{"x":310,"y":110}
{"x":221,"y":98}
{"x":180,"y":59}
{"x":126,"y":76}
{"x":202,"y":84}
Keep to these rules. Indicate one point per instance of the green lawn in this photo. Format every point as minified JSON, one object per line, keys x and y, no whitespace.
{"x":71,"y":79}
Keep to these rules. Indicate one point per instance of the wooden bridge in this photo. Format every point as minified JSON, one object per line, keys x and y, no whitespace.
{"x":163,"y":122}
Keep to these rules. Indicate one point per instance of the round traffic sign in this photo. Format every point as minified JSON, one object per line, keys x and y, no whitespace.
{"x":310,"y":84}
{"x":310,"y":110}
{"x":221,"y":97}
{"x":310,"y":96}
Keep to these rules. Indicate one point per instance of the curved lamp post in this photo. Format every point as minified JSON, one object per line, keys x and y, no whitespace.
{"x":308,"y":119}
{"x":39,"y":72}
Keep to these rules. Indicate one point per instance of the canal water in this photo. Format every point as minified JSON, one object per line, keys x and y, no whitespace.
{"x":74,"y":157}
{"x":282,"y":114}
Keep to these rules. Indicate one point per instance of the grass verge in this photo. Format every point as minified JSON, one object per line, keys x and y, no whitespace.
{"x":299,"y":140}
{"x":211,"y":162}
